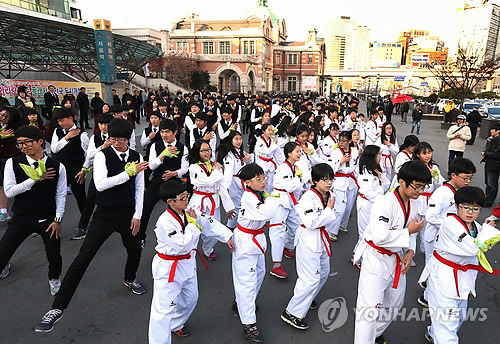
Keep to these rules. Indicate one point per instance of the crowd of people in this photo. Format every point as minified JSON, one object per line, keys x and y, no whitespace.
{"x":307,"y":165}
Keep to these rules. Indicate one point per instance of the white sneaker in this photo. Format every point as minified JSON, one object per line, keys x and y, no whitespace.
{"x":4,"y":217}
{"x":55,"y":285}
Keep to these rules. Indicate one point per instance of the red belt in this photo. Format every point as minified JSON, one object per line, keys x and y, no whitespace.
{"x":457,"y":267}
{"x":208,"y":195}
{"x":176,"y":260}
{"x":387,"y":156}
{"x":385,"y":251}
{"x":241,"y":180}
{"x":363,"y":196}
{"x":350,"y":175}
{"x":292,"y":196}
{"x":269,"y":160}
{"x":254,"y":232}
{"x":324,"y":235}
{"x":426,"y":194}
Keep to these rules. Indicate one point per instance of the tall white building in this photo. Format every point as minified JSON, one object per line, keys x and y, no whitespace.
{"x":335,"y":39}
{"x":385,"y":55}
{"x":479,"y":28}
{"x":357,"y":49}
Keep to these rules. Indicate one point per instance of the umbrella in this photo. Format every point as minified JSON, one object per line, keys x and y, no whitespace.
{"x":401,"y":98}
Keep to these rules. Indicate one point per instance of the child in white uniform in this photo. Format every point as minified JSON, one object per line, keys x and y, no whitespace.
{"x":329,"y":142}
{"x":315,"y":210}
{"x":388,"y":144}
{"x":267,"y":154}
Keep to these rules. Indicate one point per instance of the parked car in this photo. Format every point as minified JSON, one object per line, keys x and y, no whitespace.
{"x":493,"y":112}
{"x":441,"y":104}
{"x":468,"y":107}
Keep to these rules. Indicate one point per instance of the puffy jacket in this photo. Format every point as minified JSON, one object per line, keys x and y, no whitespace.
{"x":492,"y":155}
{"x":458,"y":143}
{"x":417,"y":115}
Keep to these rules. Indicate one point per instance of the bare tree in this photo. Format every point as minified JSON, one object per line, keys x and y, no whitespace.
{"x":470,"y":68}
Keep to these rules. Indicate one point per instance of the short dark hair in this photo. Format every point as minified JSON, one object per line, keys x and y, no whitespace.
{"x":201,"y":116}
{"x":171,"y":189}
{"x":226,"y":109}
{"x":250,"y":171}
{"x":414,"y":171}
{"x":462,"y":165}
{"x":320,"y":171}
{"x":470,"y":195}
{"x":155,"y":113}
{"x":119,"y":127}
{"x":105,"y":118}
{"x":347,"y":134}
{"x":29,"y":131}
{"x":61,"y":113}
{"x":194,"y":153}
{"x":495,"y":126}
{"x":168,"y":124}
{"x":301,"y":128}
{"x":115,"y":108}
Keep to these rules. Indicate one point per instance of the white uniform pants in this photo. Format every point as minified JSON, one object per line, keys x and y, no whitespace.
{"x":378,"y":302}
{"x":444,"y":326}
{"x":171,"y":306}
{"x":282,"y":232}
{"x":364,"y":208}
{"x":209,"y":242}
{"x":309,"y":282}
{"x":235,"y":193}
{"x":429,"y":248}
{"x":344,"y":200}
{"x":269,"y":181}
{"x":248,"y":275}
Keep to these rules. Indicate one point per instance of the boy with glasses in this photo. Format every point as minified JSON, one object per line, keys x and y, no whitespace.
{"x":119,"y":182}
{"x":387,"y":251}
{"x":457,"y":258}
{"x":441,"y":203}
{"x":37,"y":183}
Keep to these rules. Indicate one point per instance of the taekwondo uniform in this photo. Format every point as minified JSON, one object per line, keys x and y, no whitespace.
{"x":313,"y":251}
{"x":208,"y":192}
{"x":174,"y":271}
{"x":387,"y":161}
{"x":248,"y":262}
{"x":268,"y":156}
{"x":327,"y":146}
{"x":381,"y":284}
{"x":372,"y":133}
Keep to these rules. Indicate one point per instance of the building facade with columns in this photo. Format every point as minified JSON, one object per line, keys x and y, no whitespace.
{"x":241,"y":55}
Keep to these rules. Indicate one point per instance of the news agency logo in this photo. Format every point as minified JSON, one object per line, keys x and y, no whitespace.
{"x":333,"y":313}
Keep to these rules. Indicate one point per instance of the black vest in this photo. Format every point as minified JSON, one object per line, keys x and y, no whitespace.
{"x":157,"y":138}
{"x":119,"y":196}
{"x":98,"y":141}
{"x":72,"y":152}
{"x":235,"y":112}
{"x":196,"y":134}
{"x":224,"y":125}
{"x":168,"y":164}
{"x":40,"y":202}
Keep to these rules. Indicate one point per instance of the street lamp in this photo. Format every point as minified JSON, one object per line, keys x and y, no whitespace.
{"x":376,"y":87}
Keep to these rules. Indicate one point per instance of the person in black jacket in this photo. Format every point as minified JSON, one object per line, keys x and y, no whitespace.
{"x":116,"y":98}
{"x":83,"y":103}
{"x":51,"y":99}
{"x":417,"y":116}
{"x":474,"y":121}
{"x":491,"y":157}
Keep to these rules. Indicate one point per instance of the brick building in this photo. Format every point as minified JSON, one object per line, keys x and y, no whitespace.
{"x":251,"y":55}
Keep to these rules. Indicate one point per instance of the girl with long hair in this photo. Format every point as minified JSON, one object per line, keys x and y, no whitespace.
{"x":388,"y":146}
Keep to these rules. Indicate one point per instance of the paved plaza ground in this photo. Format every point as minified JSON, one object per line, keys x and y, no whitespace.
{"x":104,"y":311}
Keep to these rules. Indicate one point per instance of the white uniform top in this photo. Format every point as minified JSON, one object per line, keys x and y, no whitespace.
{"x":372,"y":132}
{"x":380,"y":122}
{"x":175,"y":237}
{"x":267,"y":150}
{"x":362,"y":130}
{"x":401,"y":158}
{"x":455,"y":243}
{"x":232,"y":165}
{"x":371,"y":186}
{"x":437,"y":181}
{"x":253,"y":215}
{"x":204,"y":181}
{"x":387,"y":152}
{"x":327,"y":145}
{"x":285,"y":179}
{"x":220,"y":130}
{"x":92,"y":151}
{"x":314,"y":214}
{"x":343,"y":183}
{"x":441,"y":203}
{"x":212,"y":142}
{"x":388,"y":228}
{"x":350,"y":124}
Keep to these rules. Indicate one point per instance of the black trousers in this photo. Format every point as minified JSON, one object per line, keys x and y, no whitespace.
{"x":88,"y":209}
{"x":18,"y":230}
{"x":151,"y":197}
{"x":84,"y":120}
{"x":473,"y":131}
{"x":104,"y":222}
{"x":78,"y":190}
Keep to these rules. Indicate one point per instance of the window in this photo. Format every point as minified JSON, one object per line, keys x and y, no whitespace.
{"x":225,"y":47}
{"x":182,"y":45}
{"x":309,"y":59}
{"x":292,"y":83}
{"x":208,"y":47}
{"x":249,"y":47}
{"x":278,"y":58}
{"x":292,"y":59}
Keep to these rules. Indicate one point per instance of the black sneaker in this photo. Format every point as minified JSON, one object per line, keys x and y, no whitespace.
{"x":252,"y":333}
{"x":294,"y":321}
{"x":380,"y":340}
{"x":423,"y":284}
{"x":49,"y":320}
{"x":135,"y":286}
{"x":423,"y":302}
{"x":80,"y":234}
{"x":143,"y":243}
{"x":428,"y":336}
{"x":5,"y":272}
{"x":313,"y":305}
{"x":183,"y":332}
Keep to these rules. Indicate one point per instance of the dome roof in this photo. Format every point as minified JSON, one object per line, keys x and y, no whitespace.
{"x":263,"y":11}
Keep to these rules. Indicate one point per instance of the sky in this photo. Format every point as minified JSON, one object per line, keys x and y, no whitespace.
{"x":385,"y":18}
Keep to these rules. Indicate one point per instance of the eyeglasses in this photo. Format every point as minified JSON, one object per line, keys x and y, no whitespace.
{"x":205,"y":150}
{"x":465,"y":179}
{"x":327,"y":180}
{"x":259,"y":180}
{"x":470,"y":209}
{"x":418,"y":188}
{"x":27,"y":143}
{"x":180,"y":198}
{"x":114,"y":140}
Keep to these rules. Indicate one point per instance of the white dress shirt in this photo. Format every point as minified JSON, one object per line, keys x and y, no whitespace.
{"x":56,"y":145}
{"x":145,"y":140}
{"x":155,"y":162}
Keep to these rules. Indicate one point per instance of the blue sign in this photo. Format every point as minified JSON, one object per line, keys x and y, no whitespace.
{"x":399,"y":78}
{"x":105,"y":56}
{"x":424,"y":83}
